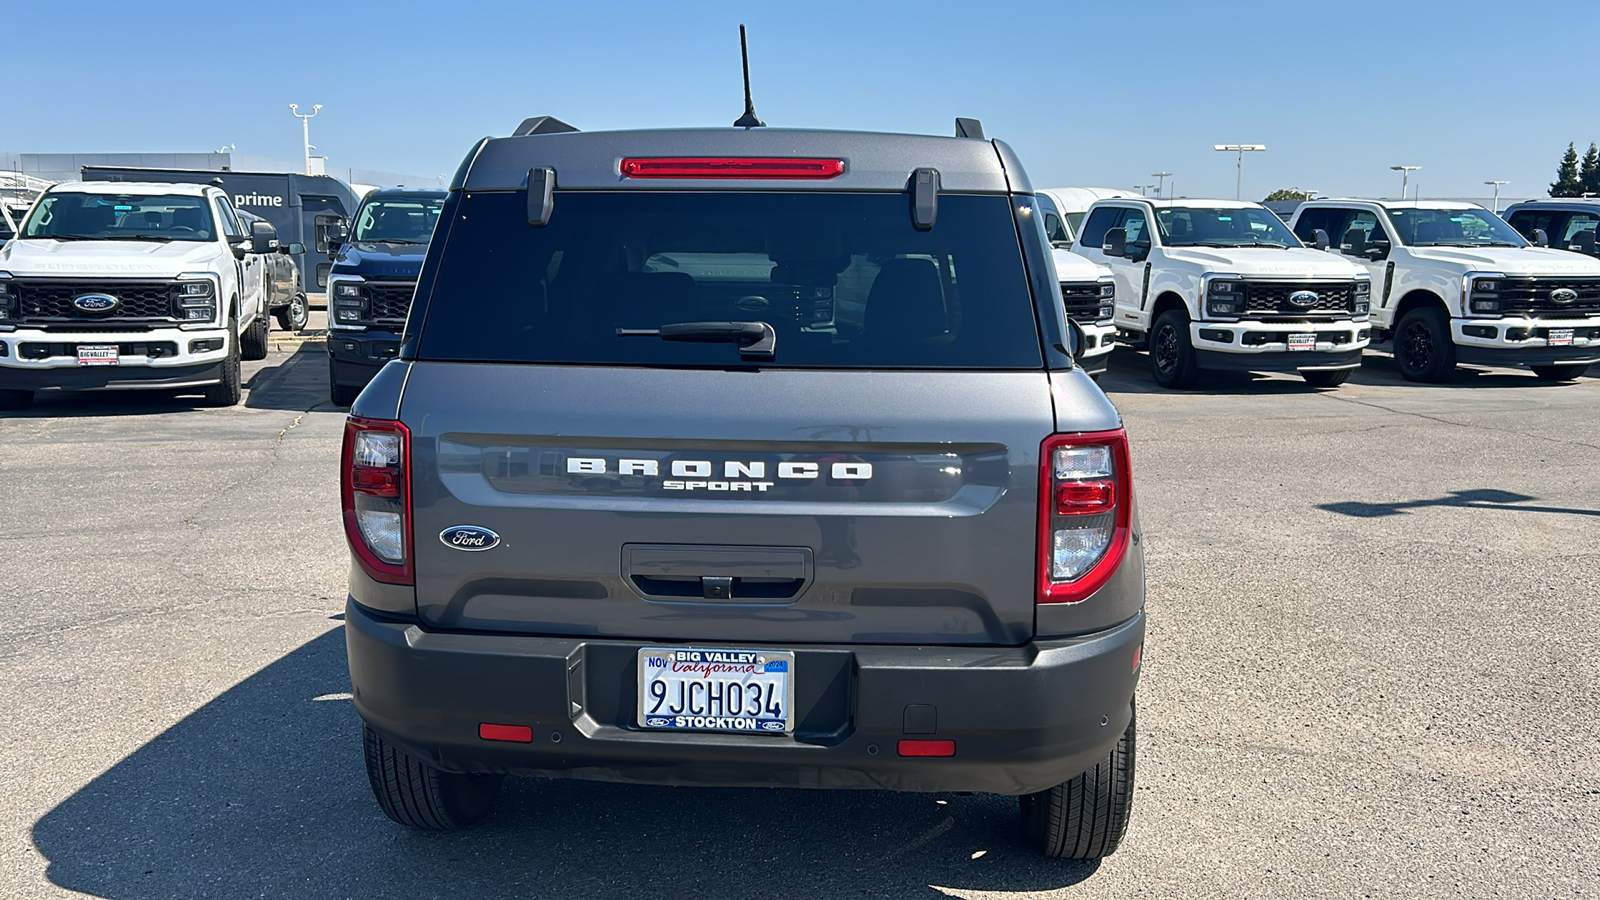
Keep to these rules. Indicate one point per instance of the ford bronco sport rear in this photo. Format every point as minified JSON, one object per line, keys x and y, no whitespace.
{"x":745,"y":457}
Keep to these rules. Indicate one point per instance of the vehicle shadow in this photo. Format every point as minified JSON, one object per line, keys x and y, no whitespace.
{"x":1381,"y":369}
{"x":262,"y":793}
{"x":1482,"y":498}
{"x":297,"y":380}
{"x":1128,"y":372}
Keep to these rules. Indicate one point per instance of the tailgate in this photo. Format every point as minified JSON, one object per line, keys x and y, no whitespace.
{"x":741,"y":506}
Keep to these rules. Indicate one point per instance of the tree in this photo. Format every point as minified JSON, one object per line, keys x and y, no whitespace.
{"x":1567,"y":183}
{"x":1286,"y":194}
{"x":1589,"y":171}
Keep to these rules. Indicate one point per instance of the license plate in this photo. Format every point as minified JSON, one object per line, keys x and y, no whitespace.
{"x":685,"y":689}
{"x":97,"y":354}
{"x":1302,"y":342}
{"x":1561,"y":337}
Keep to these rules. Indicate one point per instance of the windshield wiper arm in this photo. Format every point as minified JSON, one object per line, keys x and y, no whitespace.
{"x":389,"y":241}
{"x":753,"y":338}
{"x":138,"y":237}
{"x":62,"y":237}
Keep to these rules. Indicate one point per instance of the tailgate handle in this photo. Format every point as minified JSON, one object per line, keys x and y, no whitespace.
{"x":697,"y":573}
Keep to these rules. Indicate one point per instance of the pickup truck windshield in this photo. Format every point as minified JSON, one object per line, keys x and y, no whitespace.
{"x":1453,"y":228}
{"x":843,"y":280}
{"x":1194,"y":226}
{"x":72,"y":216}
{"x":408,"y":221}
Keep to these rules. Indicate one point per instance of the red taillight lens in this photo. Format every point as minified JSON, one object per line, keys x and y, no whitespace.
{"x":732,"y":167}
{"x":375,"y":493}
{"x":1085,"y":503}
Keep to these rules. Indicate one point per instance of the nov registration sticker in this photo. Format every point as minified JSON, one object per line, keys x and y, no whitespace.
{"x":747,"y":691}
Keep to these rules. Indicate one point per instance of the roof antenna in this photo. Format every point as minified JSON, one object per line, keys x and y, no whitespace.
{"x":748,"y":120}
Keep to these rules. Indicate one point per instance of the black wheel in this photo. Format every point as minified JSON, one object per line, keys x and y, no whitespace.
{"x":227,"y":391}
{"x":1327,"y":377}
{"x":1086,"y":817}
{"x":1422,"y":345}
{"x":418,"y":795}
{"x":340,"y":394}
{"x":254,"y":343}
{"x":1558,"y":373}
{"x":13,"y":400}
{"x":294,"y":316}
{"x":1172,"y":359}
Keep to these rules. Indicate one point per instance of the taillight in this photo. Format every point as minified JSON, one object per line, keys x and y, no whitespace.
{"x":1085,"y":500}
{"x":375,"y":491}
{"x":784,"y":168}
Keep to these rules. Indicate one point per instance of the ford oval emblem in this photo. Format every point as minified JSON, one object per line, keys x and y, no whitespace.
{"x":1304,"y":299}
{"x":469,"y":537}
{"x":1563,"y":295}
{"x":95,"y":302}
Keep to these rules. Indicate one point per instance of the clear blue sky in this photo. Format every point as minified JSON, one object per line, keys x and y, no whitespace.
{"x":1099,"y":93}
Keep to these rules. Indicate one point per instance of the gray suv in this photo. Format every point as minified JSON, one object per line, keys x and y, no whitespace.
{"x":744,"y":457}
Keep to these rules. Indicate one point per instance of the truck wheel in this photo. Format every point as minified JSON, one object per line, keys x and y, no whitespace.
{"x":1327,"y":377}
{"x":254,"y":343}
{"x":227,"y":391}
{"x":13,"y":400}
{"x":341,"y":395}
{"x":294,"y":316}
{"x":1558,"y":373}
{"x":1086,"y":817}
{"x":1422,"y":345}
{"x":418,"y":795}
{"x":1172,"y":359}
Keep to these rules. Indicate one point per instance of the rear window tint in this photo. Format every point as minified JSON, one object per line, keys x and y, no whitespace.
{"x":844,"y":279}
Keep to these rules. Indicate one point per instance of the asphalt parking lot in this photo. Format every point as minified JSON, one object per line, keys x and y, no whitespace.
{"x":1370,"y":670}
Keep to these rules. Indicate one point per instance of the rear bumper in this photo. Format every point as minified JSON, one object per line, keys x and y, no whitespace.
{"x":358,"y":355}
{"x":1022,"y":718}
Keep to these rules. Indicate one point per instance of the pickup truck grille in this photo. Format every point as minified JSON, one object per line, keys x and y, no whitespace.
{"x":390,"y":300}
{"x":51,"y":301}
{"x":1084,"y":303}
{"x":1532,"y":295}
{"x":1271,"y":298}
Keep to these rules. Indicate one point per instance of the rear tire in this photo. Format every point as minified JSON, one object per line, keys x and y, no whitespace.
{"x":1422,"y":345}
{"x":254,"y":343}
{"x":420,"y":796}
{"x":15,"y":400}
{"x":227,"y":391}
{"x":1172,"y":361}
{"x":294,"y":316}
{"x":341,"y":395}
{"x":1086,"y":817}
{"x":1559,"y":373}
{"x":1327,"y":378}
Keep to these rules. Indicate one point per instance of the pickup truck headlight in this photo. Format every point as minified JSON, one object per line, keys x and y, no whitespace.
{"x":349,"y":301}
{"x":1224,"y":297}
{"x":1108,"y":298}
{"x":1481,"y":292}
{"x":194,"y":298}
{"x":8,"y":298}
{"x":1362,"y":298}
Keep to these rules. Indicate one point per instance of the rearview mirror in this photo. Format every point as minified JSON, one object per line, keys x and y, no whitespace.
{"x":1319,"y":239}
{"x":263,"y":239}
{"x":1074,"y":338}
{"x":335,"y":235}
{"x":1354,"y":243}
{"x":292,"y":249}
{"x":1137,"y":250}
{"x":1540,"y":239}
{"x":1115,"y":243}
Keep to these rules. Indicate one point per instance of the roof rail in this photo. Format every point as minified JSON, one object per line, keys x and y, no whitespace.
{"x":969,"y":128}
{"x":542,"y":125}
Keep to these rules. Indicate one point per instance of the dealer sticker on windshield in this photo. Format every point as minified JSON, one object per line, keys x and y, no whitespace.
{"x":716,"y":690}
{"x":1302,"y":342}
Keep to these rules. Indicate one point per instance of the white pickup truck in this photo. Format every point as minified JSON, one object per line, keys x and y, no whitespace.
{"x":1457,"y":284}
{"x":1224,"y":285}
{"x":131,"y":286}
{"x":1088,"y":291}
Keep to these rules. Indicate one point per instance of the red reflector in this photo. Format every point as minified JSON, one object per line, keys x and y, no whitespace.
{"x":927,"y":748}
{"x":378,"y":482}
{"x":1076,"y":498}
{"x":522,"y":734}
{"x":1138,"y":655}
{"x":732,"y":167}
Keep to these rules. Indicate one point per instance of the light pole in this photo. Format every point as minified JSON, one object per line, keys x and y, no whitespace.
{"x":1241,"y":149}
{"x":1161,"y":181}
{"x":1497,"y":185}
{"x":305,"y":128}
{"x":1405,"y":177}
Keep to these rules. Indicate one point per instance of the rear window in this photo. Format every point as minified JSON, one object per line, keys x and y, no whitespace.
{"x":844,"y":279}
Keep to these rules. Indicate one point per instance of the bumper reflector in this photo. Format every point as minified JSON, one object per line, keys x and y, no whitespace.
{"x":521,"y":734}
{"x":927,"y":748}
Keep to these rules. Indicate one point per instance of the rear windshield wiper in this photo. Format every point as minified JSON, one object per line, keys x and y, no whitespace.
{"x":753,"y":338}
